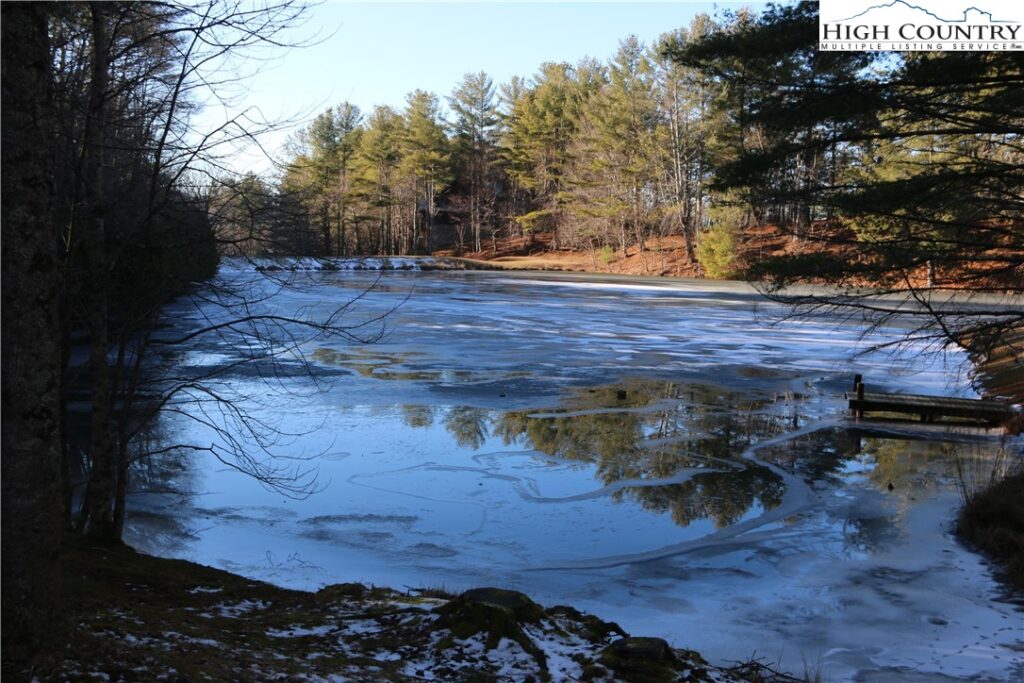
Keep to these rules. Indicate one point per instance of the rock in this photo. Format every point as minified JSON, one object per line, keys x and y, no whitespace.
{"x":641,"y":659}
{"x":524,"y":609}
{"x":495,"y":613}
{"x":642,"y":649}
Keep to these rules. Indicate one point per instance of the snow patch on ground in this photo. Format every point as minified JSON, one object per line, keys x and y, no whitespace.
{"x":371,"y":263}
{"x":239,"y":608}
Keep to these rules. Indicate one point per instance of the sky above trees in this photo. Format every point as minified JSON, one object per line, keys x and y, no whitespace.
{"x":376,"y":53}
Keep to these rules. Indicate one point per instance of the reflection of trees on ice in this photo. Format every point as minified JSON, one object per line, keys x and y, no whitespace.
{"x":794,"y":497}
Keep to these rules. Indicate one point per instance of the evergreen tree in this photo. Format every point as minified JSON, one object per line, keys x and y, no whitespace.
{"x":475,"y":109}
{"x":323,"y":137}
{"x":348,"y":122}
{"x":319,"y":177}
{"x":616,"y":156}
{"x":541,"y":127}
{"x":915,"y":157}
{"x":376,"y":166}
{"x":511,"y":153}
{"x":427,"y":159}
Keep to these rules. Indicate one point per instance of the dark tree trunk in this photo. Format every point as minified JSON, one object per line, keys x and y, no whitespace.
{"x":325,"y":230}
{"x":99,"y":498}
{"x":31,"y":357}
{"x":342,"y":184}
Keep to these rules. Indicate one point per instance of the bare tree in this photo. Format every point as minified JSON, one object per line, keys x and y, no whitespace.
{"x":137,"y":233}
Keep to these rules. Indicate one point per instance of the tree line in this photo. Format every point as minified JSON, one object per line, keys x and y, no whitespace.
{"x":609,"y":154}
{"x":899,"y":167}
{"x":898,"y":170}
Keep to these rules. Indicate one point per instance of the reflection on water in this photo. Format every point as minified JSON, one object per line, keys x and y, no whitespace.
{"x":468,"y":426}
{"x":680,"y":442}
{"x":649,"y":430}
{"x":673,"y":448}
{"x":680,"y":446}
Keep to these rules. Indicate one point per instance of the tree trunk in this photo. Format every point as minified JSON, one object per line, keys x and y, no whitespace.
{"x":99,"y":496}
{"x":325,"y":229}
{"x":31,"y":358}
{"x":342,"y":184}
{"x":428,"y":241}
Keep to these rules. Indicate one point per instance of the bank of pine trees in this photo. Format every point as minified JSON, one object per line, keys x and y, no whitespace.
{"x":899,"y":170}
{"x":612,"y":154}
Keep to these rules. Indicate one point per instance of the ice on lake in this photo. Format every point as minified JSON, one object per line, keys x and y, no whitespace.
{"x":656,"y":453}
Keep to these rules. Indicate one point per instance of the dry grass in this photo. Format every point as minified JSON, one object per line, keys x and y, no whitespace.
{"x":992,"y":520}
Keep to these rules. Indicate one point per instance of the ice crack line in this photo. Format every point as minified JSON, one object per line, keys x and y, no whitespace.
{"x":797,"y":498}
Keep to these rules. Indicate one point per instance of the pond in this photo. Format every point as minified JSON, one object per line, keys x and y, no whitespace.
{"x":656,"y":453}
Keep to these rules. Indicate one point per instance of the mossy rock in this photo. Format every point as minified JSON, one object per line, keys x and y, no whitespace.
{"x":641,"y":659}
{"x":495,"y":612}
{"x":522,"y":607}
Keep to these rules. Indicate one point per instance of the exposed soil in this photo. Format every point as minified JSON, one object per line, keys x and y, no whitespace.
{"x":659,"y":256}
{"x":667,"y":256}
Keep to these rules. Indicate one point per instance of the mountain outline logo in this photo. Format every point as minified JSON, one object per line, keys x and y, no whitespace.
{"x":903,"y":3}
{"x":921,"y":25}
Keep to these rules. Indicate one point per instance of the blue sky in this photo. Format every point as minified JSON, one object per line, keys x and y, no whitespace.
{"x":375,"y":53}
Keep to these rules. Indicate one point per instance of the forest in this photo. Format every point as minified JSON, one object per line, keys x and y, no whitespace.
{"x":695,"y":136}
{"x":899,"y":171}
{"x":734,"y":137}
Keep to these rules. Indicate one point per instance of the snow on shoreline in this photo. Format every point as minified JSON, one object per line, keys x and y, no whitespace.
{"x":311,"y":264}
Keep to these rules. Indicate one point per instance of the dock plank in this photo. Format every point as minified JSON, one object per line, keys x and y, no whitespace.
{"x":930,"y":407}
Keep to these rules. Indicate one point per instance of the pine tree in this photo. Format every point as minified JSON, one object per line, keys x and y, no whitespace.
{"x":348,"y":120}
{"x":913,"y":158}
{"x":476,"y":119}
{"x":616,"y":157}
{"x":541,"y":127}
{"x":376,"y":165}
{"x":427,"y":158}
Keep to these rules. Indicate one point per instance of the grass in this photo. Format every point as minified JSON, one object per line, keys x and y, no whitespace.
{"x":992,"y":520}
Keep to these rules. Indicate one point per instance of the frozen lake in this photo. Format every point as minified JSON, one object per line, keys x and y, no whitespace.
{"x":655,"y":453}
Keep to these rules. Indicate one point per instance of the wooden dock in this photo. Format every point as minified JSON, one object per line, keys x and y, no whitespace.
{"x":928,"y":408}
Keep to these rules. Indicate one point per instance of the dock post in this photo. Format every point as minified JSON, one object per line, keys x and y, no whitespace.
{"x":858,"y":386}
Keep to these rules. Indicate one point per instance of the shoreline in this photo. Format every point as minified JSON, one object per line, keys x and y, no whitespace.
{"x":431,"y":263}
{"x":133,"y":616}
